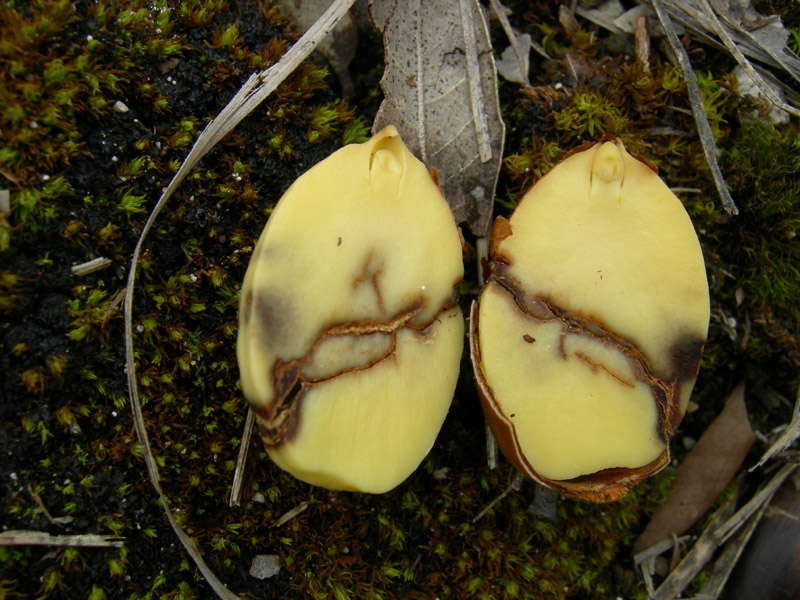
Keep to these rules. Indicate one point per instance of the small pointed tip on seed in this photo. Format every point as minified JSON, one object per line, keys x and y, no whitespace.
{"x":607,"y":165}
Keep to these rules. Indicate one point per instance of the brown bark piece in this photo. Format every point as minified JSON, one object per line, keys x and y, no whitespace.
{"x":708,"y":468}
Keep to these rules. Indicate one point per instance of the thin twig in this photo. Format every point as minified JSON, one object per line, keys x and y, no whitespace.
{"x":520,"y":53}
{"x":515,"y":484}
{"x":762,"y":85}
{"x":786,"y":439}
{"x":723,"y":566}
{"x":696,"y":558}
{"x":658,"y":548}
{"x":241,"y":461}
{"x":715,"y":535}
{"x":42,"y":507}
{"x":89,"y":267}
{"x":479,"y":118}
{"x":17,"y":537}
{"x":764,"y":495}
{"x":291,"y":514}
{"x":641,"y":39}
{"x":696,"y":101}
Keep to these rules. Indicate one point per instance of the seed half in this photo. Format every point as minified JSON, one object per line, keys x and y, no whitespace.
{"x":587,"y":338}
{"x":350,"y":336}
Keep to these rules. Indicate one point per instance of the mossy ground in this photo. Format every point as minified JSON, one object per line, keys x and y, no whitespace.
{"x":82,"y":176}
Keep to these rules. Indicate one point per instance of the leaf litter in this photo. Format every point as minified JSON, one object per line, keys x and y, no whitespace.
{"x":440,"y":88}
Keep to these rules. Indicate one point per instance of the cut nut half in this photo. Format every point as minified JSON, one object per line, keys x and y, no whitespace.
{"x":350,"y":336}
{"x":586,"y":339}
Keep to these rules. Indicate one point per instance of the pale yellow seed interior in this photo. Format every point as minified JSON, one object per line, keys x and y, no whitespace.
{"x":571,"y":418}
{"x":603,"y":236}
{"x":337,"y":354}
{"x":369,"y":430}
{"x":354,"y":277}
{"x":361,"y":237}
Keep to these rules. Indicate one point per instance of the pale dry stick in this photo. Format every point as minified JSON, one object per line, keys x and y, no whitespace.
{"x":244,"y":448}
{"x":698,"y":22}
{"x":786,"y":439}
{"x":744,"y":63}
{"x":714,"y":536}
{"x":696,"y":101}
{"x":291,"y":514}
{"x":89,"y":267}
{"x":256,"y":88}
{"x":521,"y":54}
{"x":700,"y":554}
{"x":765,"y":495}
{"x":723,"y":567}
{"x":657,"y":549}
{"x":641,"y":39}
{"x":646,"y":559}
{"x":479,"y":118}
{"x":17,"y":537}
{"x":780,"y":60}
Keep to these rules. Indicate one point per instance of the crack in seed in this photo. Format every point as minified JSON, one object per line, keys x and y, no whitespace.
{"x":277,"y":422}
{"x":540,"y":309}
{"x":597,"y":365}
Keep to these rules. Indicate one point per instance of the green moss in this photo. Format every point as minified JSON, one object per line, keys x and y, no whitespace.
{"x":589,"y":113}
{"x":764,"y":175}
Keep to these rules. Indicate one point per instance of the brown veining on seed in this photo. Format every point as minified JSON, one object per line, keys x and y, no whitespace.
{"x":278,"y":421}
{"x":608,"y":484}
{"x":371,"y":273}
{"x":595,"y":366}
{"x":603,"y":486}
{"x":574,"y":323}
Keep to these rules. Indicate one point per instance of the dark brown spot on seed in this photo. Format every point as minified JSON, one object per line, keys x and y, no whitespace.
{"x":274,"y":318}
{"x":686,"y":359}
{"x":248,"y":307}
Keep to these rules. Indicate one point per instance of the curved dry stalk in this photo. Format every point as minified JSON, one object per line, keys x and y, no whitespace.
{"x":253,"y":92}
{"x":15,"y":537}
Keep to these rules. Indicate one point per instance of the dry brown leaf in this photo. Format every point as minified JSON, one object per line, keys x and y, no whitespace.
{"x":708,"y":468}
{"x":440,"y":88}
